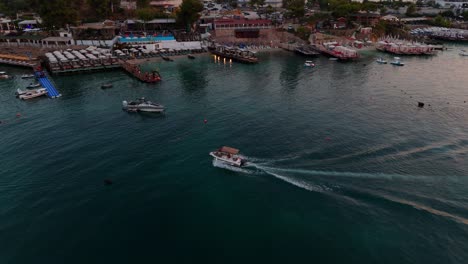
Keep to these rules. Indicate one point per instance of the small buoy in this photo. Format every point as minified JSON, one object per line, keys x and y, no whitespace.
{"x":205,"y":121}
{"x":448,"y":103}
{"x":18,"y":114}
{"x":420,"y":104}
{"x":464,"y":102}
{"x":327,"y":138}
{"x":411,"y":97}
{"x":107,"y":182}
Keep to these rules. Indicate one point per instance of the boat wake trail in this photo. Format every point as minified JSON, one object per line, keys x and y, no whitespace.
{"x":222,"y":165}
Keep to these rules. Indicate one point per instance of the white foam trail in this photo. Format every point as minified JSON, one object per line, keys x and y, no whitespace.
{"x":297,"y":183}
{"x":424,"y":208}
{"x":223,"y":165}
{"x":342,"y":174}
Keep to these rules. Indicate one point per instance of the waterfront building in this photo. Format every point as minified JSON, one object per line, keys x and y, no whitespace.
{"x":96,"y":34}
{"x":128,"y":5}
{"x":166,"y":4}
{"x":6,"y":24}
{"x":453,"y":3}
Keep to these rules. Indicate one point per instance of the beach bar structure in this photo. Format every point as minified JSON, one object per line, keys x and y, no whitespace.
{"x":90,"y":59}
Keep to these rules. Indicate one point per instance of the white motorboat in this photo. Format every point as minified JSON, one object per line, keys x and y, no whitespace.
{"x":29,"y":94}
{"x":142,"y":105}
{"x":34,"y":85}
{"x":27,"y":76}
{"x":228,"y":156}
{"x":309,"y":63}
{"x":396,"y":61}
{"x":381,"y":60}
{"x":4,"y":76}
{"x":463,"y":53}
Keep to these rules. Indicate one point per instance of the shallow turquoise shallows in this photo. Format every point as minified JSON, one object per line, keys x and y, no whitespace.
{"x":344,"y":166}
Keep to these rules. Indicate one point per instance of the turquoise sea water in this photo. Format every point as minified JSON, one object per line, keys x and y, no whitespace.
{"x":345,"y":168}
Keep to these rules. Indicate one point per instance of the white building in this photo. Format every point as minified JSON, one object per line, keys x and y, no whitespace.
{"x":128,"y":4}
{"x":450,"y":3}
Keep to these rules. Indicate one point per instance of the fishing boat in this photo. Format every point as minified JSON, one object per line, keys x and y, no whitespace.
{"x":29,"y":94}
{"x":463,"y":53}
{"x":142,"y":105}
{"x":229,"y":156}
{"x":190,"y":56}
{"x":396,"y":61}
{"x":309,"y":63}
{"x":106,"y":86}
{"x":27,"y":76}
{"x":381,"y":61}
{"x":34,"y":85}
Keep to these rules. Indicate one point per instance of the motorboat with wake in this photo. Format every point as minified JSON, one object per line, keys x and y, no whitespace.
{"x":309,"y":63}
{"x":142,"y":105}
{"x":29,"y":94}
{"x":380,"y":60}
{"x":229,"y":156}
{"x":396,"y":61}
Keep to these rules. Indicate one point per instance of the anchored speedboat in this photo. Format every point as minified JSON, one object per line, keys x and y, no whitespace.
{"x":27,"y":76}
{"x":396,"y":61}
{"x":309,"y":63}
{"x":34,"y":85}
{"x":228,"y":156}
{"x":381,"y":61}
{"x":142,"y":105}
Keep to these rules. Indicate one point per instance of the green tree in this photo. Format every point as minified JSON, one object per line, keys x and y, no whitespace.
{"x":465,"y":15}
{"x":441,"y":22}
{"x":58,"y":13}
{"x":411,"y":9}
{"x":188,"y":13}
{"x":296,"y":8}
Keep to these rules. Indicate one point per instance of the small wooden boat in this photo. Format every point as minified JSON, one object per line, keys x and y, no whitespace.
{"x":34,"y":85}
{"x":27,"y":76}
{"x":190,"y":56}
{"x":107,"y":86}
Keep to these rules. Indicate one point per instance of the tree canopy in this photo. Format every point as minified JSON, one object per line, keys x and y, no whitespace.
{"x":188,"y":13}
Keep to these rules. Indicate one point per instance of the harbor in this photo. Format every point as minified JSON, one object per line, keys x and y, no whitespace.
{"x":233,"y":131}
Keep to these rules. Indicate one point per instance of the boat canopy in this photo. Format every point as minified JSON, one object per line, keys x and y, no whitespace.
{"x":229,"y":150}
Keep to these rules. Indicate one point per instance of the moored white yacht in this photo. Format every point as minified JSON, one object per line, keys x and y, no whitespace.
{"x":396,"y":61}
{"x":29,"y":94}
{"x":142,"y":105}
{"x":228,"y":156}
{"x":381,"y":60}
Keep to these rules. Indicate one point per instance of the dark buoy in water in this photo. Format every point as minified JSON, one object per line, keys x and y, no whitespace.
{"x":18,"y":114}
{"x":108,"y":182}
{"x":420,"y":104}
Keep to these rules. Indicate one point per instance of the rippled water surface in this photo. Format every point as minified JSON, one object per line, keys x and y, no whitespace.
{"x":344,"y":167}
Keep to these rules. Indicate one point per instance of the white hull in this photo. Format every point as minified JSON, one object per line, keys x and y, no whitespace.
{"x":233,"y":161}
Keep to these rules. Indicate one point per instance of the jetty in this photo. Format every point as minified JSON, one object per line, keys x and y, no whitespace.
{"x":18,"y":60}
{"x":234,"y":53}
{"x":47,"y":84}
{"x":403,"y":47}
{"x":135,"y":71}
{"x":307,"y":50}
{"x":333,"y":49}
